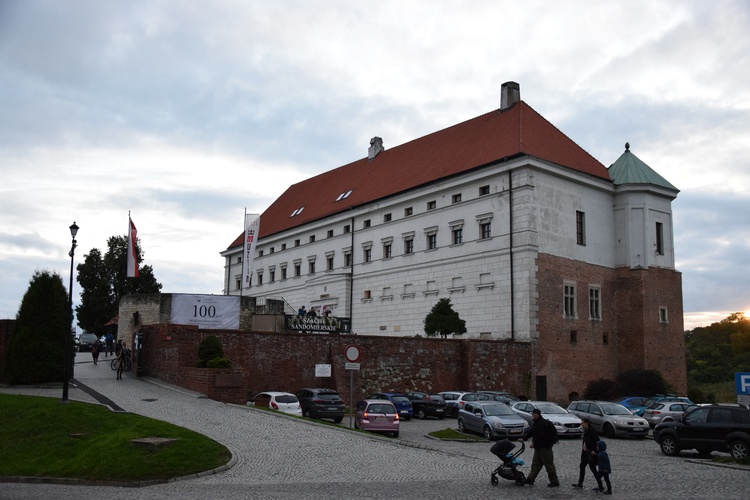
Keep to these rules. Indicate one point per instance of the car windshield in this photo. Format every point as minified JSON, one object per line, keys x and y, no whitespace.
{"x":286,"y":398}
{"x":551,"y":408}
{"x":381,"y":408}
{"x":614,"y":409}
{"x":497,"y":410}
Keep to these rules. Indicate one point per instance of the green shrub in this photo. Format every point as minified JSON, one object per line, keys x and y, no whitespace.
{"x":219,"y":363}
{"x":209,"y":348}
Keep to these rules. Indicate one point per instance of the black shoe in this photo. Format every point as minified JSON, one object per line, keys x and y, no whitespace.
{"x":553,"y":485}
{"x":598,"y":490}
{"x":608,"y":492}
{"x":577,"y":485}
{"x":530,"y":483}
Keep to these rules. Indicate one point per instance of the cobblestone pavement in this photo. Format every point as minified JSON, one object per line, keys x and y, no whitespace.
{"x":279,"y":457}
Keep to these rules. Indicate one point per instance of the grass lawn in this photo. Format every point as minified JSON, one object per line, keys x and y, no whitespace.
{"x":42,"y":437}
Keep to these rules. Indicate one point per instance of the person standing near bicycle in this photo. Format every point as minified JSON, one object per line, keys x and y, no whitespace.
{"x":120,"y":357}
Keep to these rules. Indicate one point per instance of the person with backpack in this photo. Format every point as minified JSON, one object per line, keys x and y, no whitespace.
{"x":543,"y":437}
{"x":588,"y":456}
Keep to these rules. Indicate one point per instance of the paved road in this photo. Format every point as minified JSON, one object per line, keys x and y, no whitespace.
{"x":279,"y":457}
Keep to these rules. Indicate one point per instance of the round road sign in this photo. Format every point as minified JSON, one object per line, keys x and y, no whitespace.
{"x":352,"y":353}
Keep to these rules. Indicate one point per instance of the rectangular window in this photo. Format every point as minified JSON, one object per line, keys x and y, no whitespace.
{"x":456,"y":198}
{"x":347,"y":228}
{"x":312,"y":238}
{"x":484,"y":190}
{"x":663,"y":316}
{"x":569,"y":300}
{"x":283,"y":246}
{"x":260,"y":278}
{"x":458,"y":236}
{"x":408,"y":211}
{"x":580,"y":228}
{"x":431,"y":241}
{"x":659,"y":238}
{"x":367,"y":257}
{"x":367,"y":294}
{"x":272,"y":250}
{"x":239,"y":260}
{"x":329,"y":234}
{"x":296,"y":243}
{"x":347,"y":259}
{"x":297,"y":270}
{"x":387,"y":251}
{"x":387,"y":218}
{"x":595,"y":303}
{"x":329,"y":263}
{"x":485,"y":230}
{"x":408,"y":247}
{"x":238,"y":284}
{"x":431,"y":205}
{"x":311,"y":266}
{"x":272,"y":275}
{"x":260,"y":253}
{"x":283,"y":273}
{"x":366,"y":223}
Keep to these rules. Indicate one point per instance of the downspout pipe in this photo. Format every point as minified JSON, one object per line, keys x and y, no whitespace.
{"x":510,"y":254}
{"x":351,"y":279}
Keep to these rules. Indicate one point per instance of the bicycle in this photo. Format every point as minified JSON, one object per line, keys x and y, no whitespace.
{"x":127,"y":363}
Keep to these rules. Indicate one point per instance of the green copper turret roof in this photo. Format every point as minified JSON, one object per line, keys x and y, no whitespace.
{"x":629,"y":169}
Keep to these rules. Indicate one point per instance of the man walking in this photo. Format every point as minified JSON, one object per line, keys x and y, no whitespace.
{"x":588,"y":456}
{"x":544,"y":436}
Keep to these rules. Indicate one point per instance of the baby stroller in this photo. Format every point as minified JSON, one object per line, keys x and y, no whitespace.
{"x":503,"y":449}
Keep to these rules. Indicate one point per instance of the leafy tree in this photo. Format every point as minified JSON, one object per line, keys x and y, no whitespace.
{"x":443,"y":320}
{"x":210,"y":349}
{"x":104,"y":281}
{"x":641,"y":382}
{"x":715,"y":352}
{"x":36,"y":350}
{"x":603,"y":388}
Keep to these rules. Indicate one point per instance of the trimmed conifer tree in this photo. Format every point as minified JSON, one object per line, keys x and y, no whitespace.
{"x":443,"y":320}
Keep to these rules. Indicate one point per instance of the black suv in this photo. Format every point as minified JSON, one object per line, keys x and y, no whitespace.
{"x":321,"y":403}
{"x":706,"y":429}
{"x":428,"y":405}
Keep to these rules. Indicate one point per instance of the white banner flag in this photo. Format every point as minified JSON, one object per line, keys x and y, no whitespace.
{"x":252,"y":226}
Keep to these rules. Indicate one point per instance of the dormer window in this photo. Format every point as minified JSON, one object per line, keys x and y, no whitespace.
{"x":297,"y":211}
{"x":344,"y":195}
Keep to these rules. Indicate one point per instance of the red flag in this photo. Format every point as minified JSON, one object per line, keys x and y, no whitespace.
{"x":132,"y":256}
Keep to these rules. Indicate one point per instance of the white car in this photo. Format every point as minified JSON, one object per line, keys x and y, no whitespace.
{"x":565,"y":422}
{"x":285,"y":402}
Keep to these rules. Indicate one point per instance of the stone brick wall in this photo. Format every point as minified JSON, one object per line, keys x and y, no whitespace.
{"x":272,"y":361}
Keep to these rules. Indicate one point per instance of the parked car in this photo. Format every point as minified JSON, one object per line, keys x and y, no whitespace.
{"x":706,"y":429}
{"x":427,"y":405}
{"x":632,"y":403}
{"x":565,"y":422}
{"x":321,"y":403}
{"x":285,"y":402}
{"x":457,"y":400}
{"x":86,"y":342}
{"x":658,"y":399}
{"x":400,"y":401}
{"x":492,"y":419}
{"x":610,"y":419}
{"x":666,"y":411}
{"x":503,"y":396}
{"x":377,"y":415}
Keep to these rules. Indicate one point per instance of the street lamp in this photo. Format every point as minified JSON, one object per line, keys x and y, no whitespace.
{"x":67,"y":361}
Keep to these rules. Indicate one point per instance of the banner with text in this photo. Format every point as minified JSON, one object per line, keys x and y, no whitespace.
{"x":317,"y":324}
{"x":215,"y":312}
{"x":252,"y":226}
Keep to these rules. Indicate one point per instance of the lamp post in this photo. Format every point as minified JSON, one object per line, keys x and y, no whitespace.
{"x":67,"y":361}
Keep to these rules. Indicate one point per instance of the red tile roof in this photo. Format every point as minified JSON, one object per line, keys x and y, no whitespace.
{"x":518,"y":130}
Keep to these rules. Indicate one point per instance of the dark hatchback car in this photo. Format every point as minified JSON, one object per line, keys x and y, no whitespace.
{"x":86,"y":342}
{"x":321,"y":403}
{"x":400,"y":401}
{"x":706,"y":429}
{"x":428,"y":405}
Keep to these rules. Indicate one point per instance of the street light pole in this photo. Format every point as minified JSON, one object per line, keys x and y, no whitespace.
{"x":67,"y":362}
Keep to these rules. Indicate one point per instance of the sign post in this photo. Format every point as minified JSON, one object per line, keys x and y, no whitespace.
{"x":352,"y":355}
{"x":742,"y":384}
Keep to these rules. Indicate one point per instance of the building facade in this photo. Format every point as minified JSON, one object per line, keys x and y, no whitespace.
{"x":530,"y":237}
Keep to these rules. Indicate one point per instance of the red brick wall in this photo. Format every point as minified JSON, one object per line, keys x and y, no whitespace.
{"x":271,"y":361}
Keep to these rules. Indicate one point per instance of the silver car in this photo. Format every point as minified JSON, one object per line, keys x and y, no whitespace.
{"x":610,"y":419}
{"x":492,"y":419}
{"x":565,"y":422}
{"x":666,"y":411}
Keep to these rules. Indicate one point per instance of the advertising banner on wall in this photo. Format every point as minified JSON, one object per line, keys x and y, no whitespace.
{"x":214,"y":312}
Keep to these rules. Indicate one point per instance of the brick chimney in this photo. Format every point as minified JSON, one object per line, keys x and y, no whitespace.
{"x":510,"y":93}
{"x":376,"y":147}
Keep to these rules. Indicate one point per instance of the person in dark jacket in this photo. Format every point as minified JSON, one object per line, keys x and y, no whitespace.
{"x":543,"y":436}
{"x":605,"y":469}
{"x":588,"y":455}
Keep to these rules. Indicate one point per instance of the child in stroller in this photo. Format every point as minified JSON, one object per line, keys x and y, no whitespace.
{"x":503,"y":449}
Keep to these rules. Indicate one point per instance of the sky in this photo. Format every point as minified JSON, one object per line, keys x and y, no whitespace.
{"x":185,"y":114}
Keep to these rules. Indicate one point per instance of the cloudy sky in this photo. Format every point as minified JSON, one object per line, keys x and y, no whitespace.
{"x":186,"y":113}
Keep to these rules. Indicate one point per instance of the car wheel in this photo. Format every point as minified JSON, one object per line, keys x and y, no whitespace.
{"x":668,"y":445}
{"x":421,"y":414}
{"x":609,"y":430}
{"x":738,"y":449}
{"x":461,"y":427}
{"x":306,"y":412}
{"x":395,"y":434}
{"x":338,"y":420}
{"x":487,"y":433}
{"x":441,"y":417}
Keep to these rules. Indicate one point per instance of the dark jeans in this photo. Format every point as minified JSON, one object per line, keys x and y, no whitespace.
{"x":588,"y":460}
{"x":605,"y":476}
